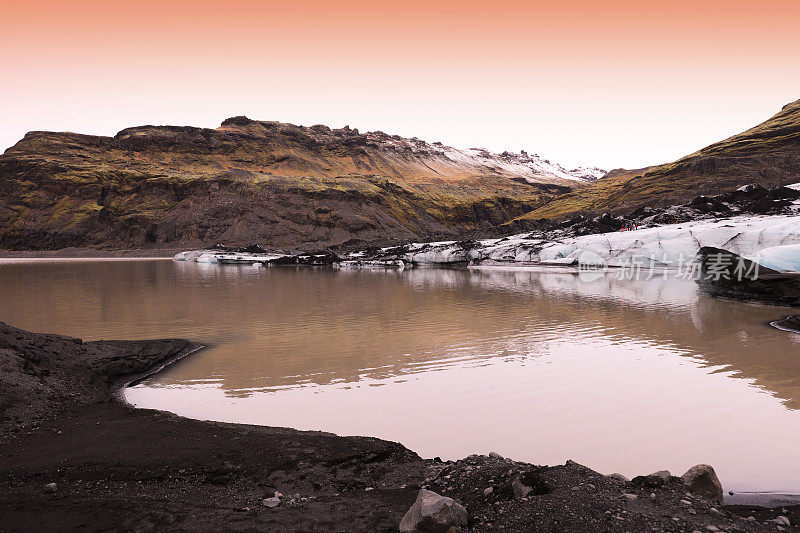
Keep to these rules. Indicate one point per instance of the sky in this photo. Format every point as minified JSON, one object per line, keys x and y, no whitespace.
{"x":616,"y":83}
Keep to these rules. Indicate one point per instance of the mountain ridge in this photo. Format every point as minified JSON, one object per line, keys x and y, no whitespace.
{"x":767,"y":154}
{"x":259,"y":181}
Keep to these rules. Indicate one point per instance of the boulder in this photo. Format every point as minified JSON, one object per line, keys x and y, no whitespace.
{"x":434,"y":513}
{"x":656,"y":479}
{"x":663,"y":475}
{"x":703,"y":481}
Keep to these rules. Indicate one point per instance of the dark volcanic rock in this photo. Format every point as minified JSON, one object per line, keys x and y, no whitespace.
{"x":703,"y":481}
{"x":724,"y":273}
{"x":790,"y":323}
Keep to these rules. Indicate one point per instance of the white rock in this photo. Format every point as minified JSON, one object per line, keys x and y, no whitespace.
{"x":782,"y":520}
{"x":271,"y":502}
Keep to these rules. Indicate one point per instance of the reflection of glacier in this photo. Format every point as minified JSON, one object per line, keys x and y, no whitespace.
{"x":292,"y":327}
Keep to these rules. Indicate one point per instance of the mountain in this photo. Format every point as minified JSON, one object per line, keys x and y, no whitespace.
{"x":768,"y":155}
{"x":260,"y":182}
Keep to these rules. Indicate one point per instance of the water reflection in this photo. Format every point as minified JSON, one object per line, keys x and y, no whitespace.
{"x":623,"y":375}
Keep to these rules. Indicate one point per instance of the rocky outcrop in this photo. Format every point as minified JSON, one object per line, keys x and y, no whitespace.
{"x":768,"y":155}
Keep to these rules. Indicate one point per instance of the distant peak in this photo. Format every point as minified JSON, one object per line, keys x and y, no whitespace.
{"x":241,"y":120}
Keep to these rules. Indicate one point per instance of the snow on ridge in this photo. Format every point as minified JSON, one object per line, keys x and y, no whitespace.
{"x":522,"y":164}
{"x":530,"y":167}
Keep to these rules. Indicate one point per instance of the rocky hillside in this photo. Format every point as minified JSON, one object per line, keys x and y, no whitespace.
{"x":248,"y":181}
{"x":767,"y":155}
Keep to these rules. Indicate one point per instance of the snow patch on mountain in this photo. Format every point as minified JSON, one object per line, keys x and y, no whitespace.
{"x":527,"y":166}
{"x":532,"y":168}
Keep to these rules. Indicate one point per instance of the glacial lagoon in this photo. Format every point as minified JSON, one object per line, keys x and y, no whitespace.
{"x":628,"y":376}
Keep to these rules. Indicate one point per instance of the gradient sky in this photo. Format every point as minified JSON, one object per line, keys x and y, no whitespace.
{"x":618,"y":83}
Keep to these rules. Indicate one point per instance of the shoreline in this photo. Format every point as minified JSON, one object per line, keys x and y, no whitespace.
{"x":91,"y":253}
{"x":116,"y":466}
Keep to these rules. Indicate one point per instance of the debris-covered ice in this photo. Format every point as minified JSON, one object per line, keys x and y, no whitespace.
{"x":773,"y":241}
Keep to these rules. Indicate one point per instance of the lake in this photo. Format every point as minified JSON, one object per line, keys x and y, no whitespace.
{"x":541,"y":366}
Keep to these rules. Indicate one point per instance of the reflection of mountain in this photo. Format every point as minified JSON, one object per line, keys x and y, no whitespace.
{"x":281,"y":327}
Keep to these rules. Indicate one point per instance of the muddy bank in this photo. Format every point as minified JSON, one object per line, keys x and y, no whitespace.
{"x":89,"y":253}
{"x":116,"y":467}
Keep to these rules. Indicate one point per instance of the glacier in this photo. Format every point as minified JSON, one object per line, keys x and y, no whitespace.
{"x":773,"y":241}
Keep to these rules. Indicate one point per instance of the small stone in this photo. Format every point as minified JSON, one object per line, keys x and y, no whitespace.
{"x":618,"y":477}
{"x":369,"y":489}
{"x":686,"y":502}
{"x":712,"y":528}
{"x":630,"y":497}
{"x":652,"y":495}
{"x":495,"y":455}
{"x":296,"y":496}
{"x":50,"y":487}
{"x":782,"y":520}
{"x":271,"y":502}
{"x":487,"y":491}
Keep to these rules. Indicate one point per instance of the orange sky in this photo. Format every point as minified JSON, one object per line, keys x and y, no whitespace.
{"x":612,"y":83}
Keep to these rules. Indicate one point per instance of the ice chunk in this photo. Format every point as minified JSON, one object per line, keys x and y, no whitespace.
{"x":780,"y":258}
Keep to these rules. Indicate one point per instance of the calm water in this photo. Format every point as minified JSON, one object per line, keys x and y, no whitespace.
{"x":623,"y":376}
